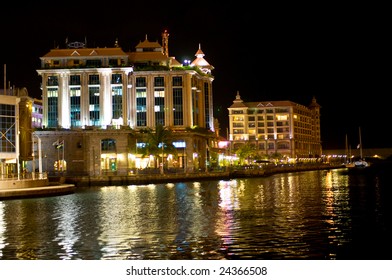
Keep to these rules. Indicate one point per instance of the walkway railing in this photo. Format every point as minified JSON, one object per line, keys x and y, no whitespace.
{"x":24,"y":176}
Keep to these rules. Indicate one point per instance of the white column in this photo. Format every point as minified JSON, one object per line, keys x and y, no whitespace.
{"x":64,"y":107}
{"x":106,"y":104}
{"x":39,"y":157}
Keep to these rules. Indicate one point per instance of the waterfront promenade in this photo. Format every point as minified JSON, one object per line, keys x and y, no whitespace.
{"x":62,"y":184}
{"x":32,"y":187}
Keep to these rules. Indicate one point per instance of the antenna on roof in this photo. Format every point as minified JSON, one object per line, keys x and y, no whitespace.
{"x":165,"y":43}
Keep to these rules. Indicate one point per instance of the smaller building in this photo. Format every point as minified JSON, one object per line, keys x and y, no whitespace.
{"x":9,"y":136}
{"x":36,"y":113}
{"x":283,"y":128}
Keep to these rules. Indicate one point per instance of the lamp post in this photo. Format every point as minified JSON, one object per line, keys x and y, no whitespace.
{"x":184,"y":157}
{"x":46,"y":163}
{"x":62,"y":165}
{"x":162,"y":160}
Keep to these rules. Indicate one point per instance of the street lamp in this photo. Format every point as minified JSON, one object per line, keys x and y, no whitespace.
{"x":162,"y":160}
{"x":46,"y":162}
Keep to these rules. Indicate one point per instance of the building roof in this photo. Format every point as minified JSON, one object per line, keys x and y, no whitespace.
{"x":201,"y":62}
{"x":239,"y":103}
{"x":147,"y":51}
{"x":84,"y":52}
{"x":148,"y":45}
{"x":266,"y":104}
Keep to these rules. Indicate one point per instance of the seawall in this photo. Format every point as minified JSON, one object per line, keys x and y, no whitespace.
{"x":113,"y":180}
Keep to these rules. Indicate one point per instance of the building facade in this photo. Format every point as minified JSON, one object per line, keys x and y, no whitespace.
{"x":36,"y":113}
{"x":98,"y":101}
{"x":9,"y":136}
{"x":18,"y":146}
{"x":276,"y":127}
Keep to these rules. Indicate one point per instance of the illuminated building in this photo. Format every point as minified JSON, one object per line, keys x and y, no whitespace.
{"x":36,"y":113}
{"x":9,"y":137}
{"x":276,"y":127}
{"x":16,"y":141}
{"x":97,"y":101}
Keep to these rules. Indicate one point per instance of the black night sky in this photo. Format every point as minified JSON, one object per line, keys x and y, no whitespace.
{"x":337,"y":54}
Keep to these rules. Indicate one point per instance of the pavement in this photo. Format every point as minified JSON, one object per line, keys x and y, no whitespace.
{"x":42,"y":191}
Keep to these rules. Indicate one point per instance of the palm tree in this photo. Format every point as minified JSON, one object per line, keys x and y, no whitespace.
{"x":245,"y":151}
{"x":159,"y":142}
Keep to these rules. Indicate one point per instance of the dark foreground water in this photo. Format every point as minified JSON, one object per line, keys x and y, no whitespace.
{"x":306,"y":215}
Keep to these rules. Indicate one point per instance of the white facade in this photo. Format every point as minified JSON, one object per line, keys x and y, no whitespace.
{"x":94,"y":95}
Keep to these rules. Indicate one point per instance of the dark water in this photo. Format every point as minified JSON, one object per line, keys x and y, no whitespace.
{"x":306,"y":215}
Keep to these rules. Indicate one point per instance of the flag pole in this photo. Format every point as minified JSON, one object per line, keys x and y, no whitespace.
{"x":62,"y":166}
{"x":58,"y":157}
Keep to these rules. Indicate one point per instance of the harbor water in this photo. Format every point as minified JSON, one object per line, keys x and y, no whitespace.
{"x":320,"y":215}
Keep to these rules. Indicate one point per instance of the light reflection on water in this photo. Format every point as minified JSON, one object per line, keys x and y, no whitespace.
{"x":305,"y":215}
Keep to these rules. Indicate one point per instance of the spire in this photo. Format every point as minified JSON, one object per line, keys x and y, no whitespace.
{"x":238,"y":98}
{"x":200,"y":62}
{"x":238,"y":102}
{"x":199,"y":52}
{"x":238,"y":95}
{"x":314,"y":103}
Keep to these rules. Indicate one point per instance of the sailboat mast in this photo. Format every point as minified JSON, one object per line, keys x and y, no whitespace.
{"x":347,"y":150}
{"x":360,"y":143}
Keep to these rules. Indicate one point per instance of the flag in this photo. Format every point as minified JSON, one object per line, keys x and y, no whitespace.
{"x":58,"y":144}
{"x":61,"y":143}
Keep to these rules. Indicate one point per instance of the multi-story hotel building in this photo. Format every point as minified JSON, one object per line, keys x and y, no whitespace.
{"x":97,"y":101}
{"x":276,"y":127}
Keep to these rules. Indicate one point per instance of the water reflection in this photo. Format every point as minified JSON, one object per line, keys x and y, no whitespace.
{"x":306,"y":215}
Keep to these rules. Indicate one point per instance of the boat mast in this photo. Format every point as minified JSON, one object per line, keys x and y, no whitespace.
{"x":360,"y":143}
{"x":348,"y":152}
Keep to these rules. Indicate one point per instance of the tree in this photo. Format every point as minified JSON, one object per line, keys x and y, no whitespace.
{"x":158,"y":142}
{"x":245,"y":152}
{"x":276,"y":157}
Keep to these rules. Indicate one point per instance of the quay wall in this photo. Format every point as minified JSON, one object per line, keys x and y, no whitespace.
{"x":112,"y":180}
{"x":25,"y":183}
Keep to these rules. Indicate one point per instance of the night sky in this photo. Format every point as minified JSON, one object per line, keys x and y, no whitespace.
{"x":337,"y":54}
